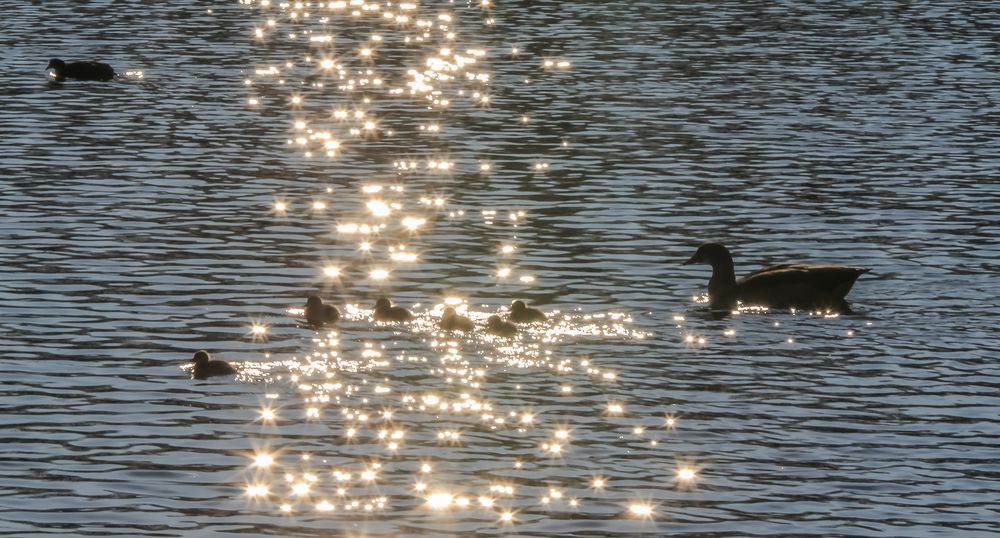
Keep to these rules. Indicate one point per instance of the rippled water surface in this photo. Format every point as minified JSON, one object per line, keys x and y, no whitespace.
{"x":569,"y":154}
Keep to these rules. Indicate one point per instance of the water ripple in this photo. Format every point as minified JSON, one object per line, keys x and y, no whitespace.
{"x":139,"y":227}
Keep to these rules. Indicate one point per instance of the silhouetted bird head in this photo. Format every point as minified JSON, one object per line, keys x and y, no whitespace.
{"x":711,"y":253}
{"x":201,"y":357}
{"x":56,"y":63}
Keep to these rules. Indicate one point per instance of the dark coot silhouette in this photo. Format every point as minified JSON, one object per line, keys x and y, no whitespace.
{"x":452,"y":321}
{"x":384,"y":311}
{"x":522,"y":313}
{"x":318,"y":313}
{"x":499,"y":327}
{"x":88,"y":70}
{"x":205,"y":367}
{"x":822,"y":287}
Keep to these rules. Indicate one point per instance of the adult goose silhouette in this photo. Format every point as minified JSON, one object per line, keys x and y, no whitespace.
{"x":205,"y":367}
{"x":792,"y":285}
{"x":87,"y":70}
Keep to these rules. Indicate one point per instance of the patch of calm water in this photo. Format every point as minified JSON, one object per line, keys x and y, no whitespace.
{"x":139,"y":225}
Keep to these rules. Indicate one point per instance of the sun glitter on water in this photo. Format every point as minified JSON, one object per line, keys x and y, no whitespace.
{"x":380,"y":404}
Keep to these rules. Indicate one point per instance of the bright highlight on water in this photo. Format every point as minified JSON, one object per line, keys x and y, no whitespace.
{"x":356,"y":395}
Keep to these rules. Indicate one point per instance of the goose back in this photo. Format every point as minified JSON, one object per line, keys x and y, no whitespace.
{"x":798,"y":286}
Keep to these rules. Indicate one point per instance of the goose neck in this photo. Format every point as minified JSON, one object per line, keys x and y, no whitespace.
{"x":723,"y":277}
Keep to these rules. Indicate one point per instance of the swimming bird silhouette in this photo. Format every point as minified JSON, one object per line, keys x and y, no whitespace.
{"x":318,"y":313}
{"x":87,"y":70}
{"x":205,"y":367}
{"x":384,"y":311}
{"x":781,"y":286}
{"x":452,"y":321}
{"x":522,"y":313}
{"x":499,"y":327}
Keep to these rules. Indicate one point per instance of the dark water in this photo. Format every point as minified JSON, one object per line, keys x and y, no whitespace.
{"x":138,"y":226}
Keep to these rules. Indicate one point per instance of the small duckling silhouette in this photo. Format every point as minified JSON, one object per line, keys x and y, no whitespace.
{"x":521,"y":313}
{"x":499,"y":327}
{"x":384,"y":311}
{"x":452,"y":321}
{"x":205,"y":367}
{"x":318,"y":313}
{"x":80,"y":70}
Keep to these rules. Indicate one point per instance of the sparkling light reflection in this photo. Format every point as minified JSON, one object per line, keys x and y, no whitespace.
{"x":402,"y":393}
{"x":641,"y":509}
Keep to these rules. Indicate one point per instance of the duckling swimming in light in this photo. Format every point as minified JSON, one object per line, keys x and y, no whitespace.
{"x":384,"y":311}
{"x":452,"y":321}
{"x":821,"y":287}
{"x":522,"y":313}
{"x":205,"y":367}
{"x":499,"y":327}
{"x":319,"y":314}
{"x":87,"y":70}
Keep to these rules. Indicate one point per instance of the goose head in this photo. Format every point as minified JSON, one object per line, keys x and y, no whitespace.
{"x":714,"y":254}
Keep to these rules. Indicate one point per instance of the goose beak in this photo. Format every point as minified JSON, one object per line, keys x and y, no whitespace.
{"x":691,"y":260}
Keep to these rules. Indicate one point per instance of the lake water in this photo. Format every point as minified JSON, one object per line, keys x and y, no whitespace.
{"x":140,"y":223}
